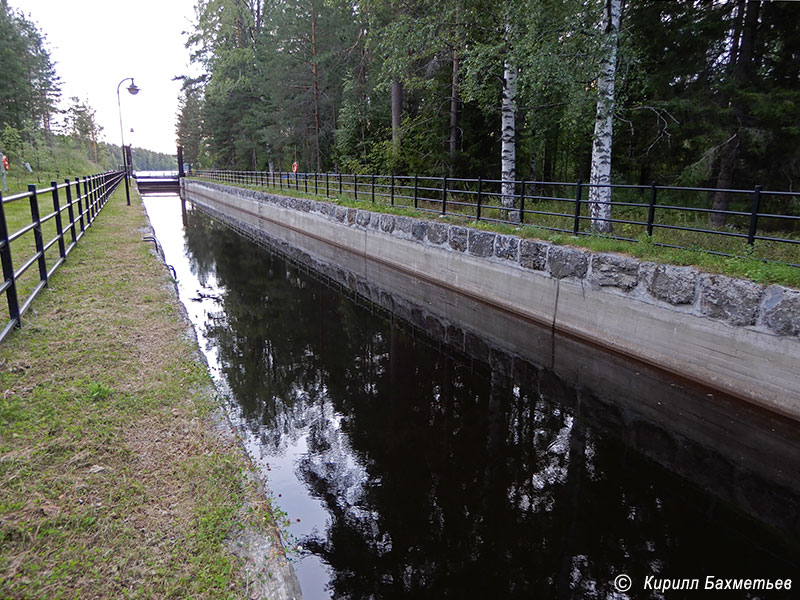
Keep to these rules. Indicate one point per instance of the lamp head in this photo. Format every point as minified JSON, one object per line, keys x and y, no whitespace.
{"x":132,"y":89}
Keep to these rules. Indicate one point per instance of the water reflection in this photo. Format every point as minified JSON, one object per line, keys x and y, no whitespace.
{"x":430,"y":470}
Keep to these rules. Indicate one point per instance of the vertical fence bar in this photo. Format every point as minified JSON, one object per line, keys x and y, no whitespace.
{"x":59,"y":226}
{"x":70,"y":211}
{"x":522,"y":203}
{"x":340,"y":185}
{"x":8,"y":267}
{"x":305,"y":182}
{"x":391,"y":190}
{"x":576,"y":226}
{"x":651,"y":210}
{"x":316,"y":190}
{"x":480,"y":194}
{"x":751,"y":234}
{"x":416,"y":191}
{"x":80,"y":202}
{"x":355,"y":187}
{"x":37,"y":232}
{"x":372,"y":178}
{"x":296,"y":183}
{"x":327,"y":186}
{"x":88,"y":200}
{"x":444,"y":195}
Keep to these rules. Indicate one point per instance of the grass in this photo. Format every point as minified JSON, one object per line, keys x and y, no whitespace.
{"x":113,"y":482}
{"x":762,"y":263}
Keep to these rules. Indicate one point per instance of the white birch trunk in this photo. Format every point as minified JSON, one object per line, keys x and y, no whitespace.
{"x":600,"y":175}
{"x":508,"y":138}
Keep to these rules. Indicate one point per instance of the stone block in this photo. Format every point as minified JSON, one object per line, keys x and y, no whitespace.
{"x":419,"y":229}
{"x":676,"y":285}
{"x":612,"y":270}
{"x":533,"y":254}
{"x":781,"y":310}
{"x":506,"y":247}
{"x":387,"y":223}
{"x":458,"y":238}
{"x":564,"y":261}
{"x":732,"y":300}
{"x":480,"y":243}
{"x":437,"y":233}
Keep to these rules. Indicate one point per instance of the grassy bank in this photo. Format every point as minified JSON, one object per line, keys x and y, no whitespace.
{"x":113,"y":481}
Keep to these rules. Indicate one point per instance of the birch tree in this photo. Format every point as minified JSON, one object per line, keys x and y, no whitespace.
{"x":600,"y":173}
{"x":508,"y":138}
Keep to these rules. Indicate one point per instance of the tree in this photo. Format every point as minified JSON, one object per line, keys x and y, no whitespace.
{"x":189,"y":128}
{"x":600,"y":177}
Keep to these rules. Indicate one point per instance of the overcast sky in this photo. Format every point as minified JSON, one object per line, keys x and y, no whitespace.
{"x":97,"y":43}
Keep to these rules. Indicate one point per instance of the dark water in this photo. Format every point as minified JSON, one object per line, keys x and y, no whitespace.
{"x":413,"y":466}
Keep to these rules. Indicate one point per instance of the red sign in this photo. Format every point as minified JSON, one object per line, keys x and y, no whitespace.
{"x":5,"y":162}
{"x":294,"y":167}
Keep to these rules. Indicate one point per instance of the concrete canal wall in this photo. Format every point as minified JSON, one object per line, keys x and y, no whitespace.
{"x":736,"y":336}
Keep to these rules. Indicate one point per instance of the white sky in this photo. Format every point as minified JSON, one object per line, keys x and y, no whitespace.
{"x":97,"y":43}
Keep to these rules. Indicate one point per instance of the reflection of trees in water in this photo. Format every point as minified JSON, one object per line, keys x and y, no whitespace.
{"x":441,"y":477}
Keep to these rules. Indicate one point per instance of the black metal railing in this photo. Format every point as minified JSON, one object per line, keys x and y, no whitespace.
{"x":75,"y":205}
{"x":767,"y":223}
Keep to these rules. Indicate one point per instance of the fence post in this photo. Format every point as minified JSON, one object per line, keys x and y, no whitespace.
{"x":80,"y":202}
{"x":391,"y":192}
{"x":70,"y":211}
{"x":340,"y":185}
{"x":480,"y":192}
{"x":37,"y":232}
{"x":59,"y":226}
{"x":577,"y":224}
{"x":751,"y":235}
{"x":522,"y":202}
{"x":651,"y":210}
{"x":444,"y":195}
{"x":316,"y":189}
{"x":416,"y":191}
{"x":305,"y":182}
{"x":327,"y":186}
{"x":8,"y":267}
{"x":355,"y":187}
{"x":373,"y":188}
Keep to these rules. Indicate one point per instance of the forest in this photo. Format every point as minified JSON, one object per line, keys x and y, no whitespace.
{"x":41,"y":137}
{"x":694,"y":92}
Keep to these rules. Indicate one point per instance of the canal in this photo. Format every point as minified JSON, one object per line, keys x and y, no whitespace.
{"x":415,"y":458}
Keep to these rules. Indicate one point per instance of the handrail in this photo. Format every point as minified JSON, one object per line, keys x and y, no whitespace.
{"x":520,"y":202}
{"x":90,"y":195}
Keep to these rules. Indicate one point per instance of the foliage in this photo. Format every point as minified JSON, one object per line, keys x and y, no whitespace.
{"x":309,"y":81}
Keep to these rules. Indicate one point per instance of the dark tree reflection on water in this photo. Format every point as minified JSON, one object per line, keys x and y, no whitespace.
{"x":445,"y":477}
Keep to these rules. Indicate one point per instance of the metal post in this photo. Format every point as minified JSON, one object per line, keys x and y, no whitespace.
{"x":416,"y":191}
{"x":444,"y":195}
{"x":37,"y":232}
{"x":577,"y":224}
{"x":59,"y":228}
{"x":340,"y":185}
{"x":88,"y":200}
{"x":751,"y":235}
{"x":651,"y":210}
{"x":327,"y":186}
{"x":480,"y":193}
{"x":316,"y":188}
{"x":355,"y":187}
{"x":70,"y":211}
{"x":522,"y":203}
{"x":392,"y":189}
{"x":80,"y":202}
{"x":8,"y":267}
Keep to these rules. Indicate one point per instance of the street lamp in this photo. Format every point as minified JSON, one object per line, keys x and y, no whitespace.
{"x":132,"y":90}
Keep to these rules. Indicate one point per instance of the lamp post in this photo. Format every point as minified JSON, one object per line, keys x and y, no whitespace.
{"x":132,"y":90}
